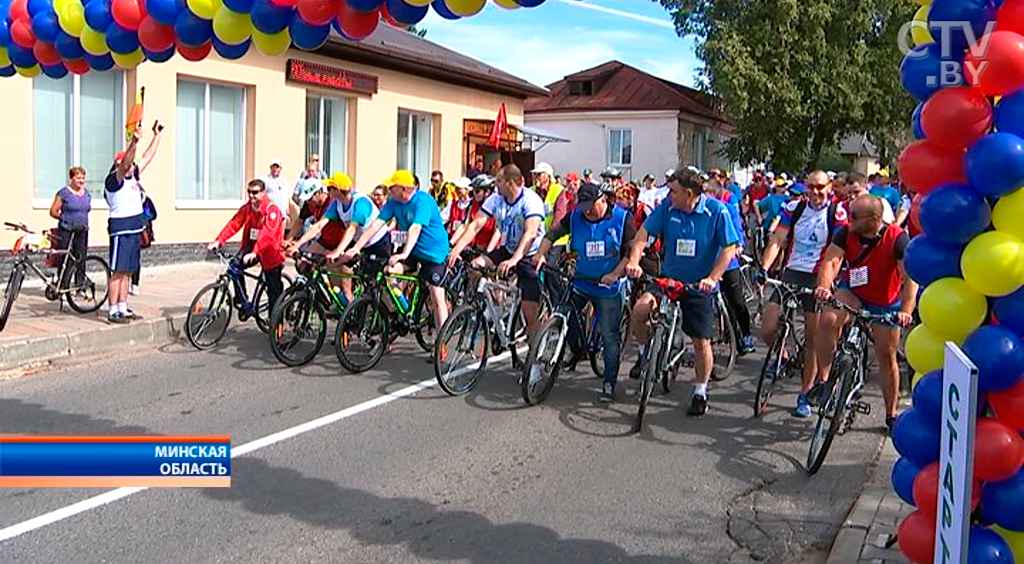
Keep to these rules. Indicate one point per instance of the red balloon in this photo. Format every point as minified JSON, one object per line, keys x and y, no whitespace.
{"x":956,"y":117}
{"x":284,"y":3}
{"x":915,"y":216}
{"x":154,"y":36}
{"x":1011,"y":16}
{"x":19,"y":10}
{"x":195,"y":54}
{"x":45,"y":53}
{"x":926,"y":489}
{"x":916,"y":536}
{"x":1009,"y":405}
{"x":998,"y":450}
{"x":388,"y":19}
{"x":127,"y":13}
{"x":21,"y":33}
{"x":924,"y":165}
{"x":999,"y":69}
{"x":317,"y":12}
{"x":357,"y":25}
{"x":77,"y":66}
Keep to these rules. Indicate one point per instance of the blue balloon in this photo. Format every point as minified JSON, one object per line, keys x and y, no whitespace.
{"x":97,"y":15}
{"x":55,"y":71}
{"x":404,"y":13}
{"x":122,"y":40}
{"x":165,"y":12}
{"x":976,"y":13}
{"x":999,"y":355}
{"x":68,"y":46}
{"x":927,"y":395}
{"x":927,"y":259}
{"x":1008,"y":114}
{"x":915,"y":121}
{"x":364,"y":5}
{"x":159,"y":56}
{"x":529,"y":3}
{"x":20,"y":56}
{"x":104,"y":63}
{"x":903,"y":474}
{"x":8,"y":71}
{"x":1002,"y":503}
{"x":192,"y":30}
{"x":924,"y":70}
{"x":45,"y":26}
{"x":985,"y":546}
{"x":954,"y":213}
{"x":39,"y":6}
{"x":231,"y":51}
{"x":239,"y":6}
{"x":5,"y":31}
{"x":308,"y":37}
{"x":269,"y":18}
{"x":1010,"y":311}
{"x":916,"y":437}
{"x":995,"y":164}
{"x":442,"y":10}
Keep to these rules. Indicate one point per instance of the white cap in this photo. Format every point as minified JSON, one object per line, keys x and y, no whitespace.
{"x":831,"y":174}
{"x":462,"y":182}
{"x":770,"y":174}
{"x":275,"y":162}
{"x":784,"y":176}
{"x":544,"y":167}
{"x":670,"y":172}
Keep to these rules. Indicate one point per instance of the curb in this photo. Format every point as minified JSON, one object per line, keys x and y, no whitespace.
{"x":854,"y":531}
{"x":33,"y":350}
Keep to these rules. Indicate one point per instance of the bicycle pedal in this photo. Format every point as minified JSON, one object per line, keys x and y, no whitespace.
{"x":862,"y":407}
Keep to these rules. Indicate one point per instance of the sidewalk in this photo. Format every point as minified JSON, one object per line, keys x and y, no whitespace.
{"x":38,"y":331}
{"x":873,"y":519}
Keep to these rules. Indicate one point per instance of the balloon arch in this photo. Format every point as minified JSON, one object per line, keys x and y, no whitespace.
{"x":55,"y":37}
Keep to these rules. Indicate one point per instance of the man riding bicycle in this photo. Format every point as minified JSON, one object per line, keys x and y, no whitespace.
{"x":699,"y":241}
{"x":488,"y":238}
{"x":600,"y":234}
{"x":874,"y":280}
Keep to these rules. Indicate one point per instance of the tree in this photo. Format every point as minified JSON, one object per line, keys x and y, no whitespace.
{"x":796,"y":76}
{"x":417,"y":31}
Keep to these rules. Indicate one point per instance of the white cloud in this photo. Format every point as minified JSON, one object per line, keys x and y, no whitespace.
{"x":674,"y":69}
{"x":666,"y":23}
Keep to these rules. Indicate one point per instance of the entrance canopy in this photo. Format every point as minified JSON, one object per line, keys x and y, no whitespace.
{"x":533,"y":135}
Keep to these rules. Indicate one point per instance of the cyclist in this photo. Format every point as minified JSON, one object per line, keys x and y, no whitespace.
{"x":545,"y":186}
{"x":805,"y":230}
{"x":628,"y":198}
{"x":355,"y":211}
{"x":882,"y":187}
{"x":699,"y":241}
{"x":426,"y":244}
{"x":488,"y":238}
{"x":262,"y":225}
{"x":874,"y":280}
{"x":732,"y":284}
{"x":324,"y":233}
{"x":600,"y":234}
{"x":855,"y":187}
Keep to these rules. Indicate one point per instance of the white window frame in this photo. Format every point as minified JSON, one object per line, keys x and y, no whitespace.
{"x":412,"y":114}
{"x":76,"y":136}
{"x":207,"y":203}
{"x":320,"y":129}
{"x":613,"y":160}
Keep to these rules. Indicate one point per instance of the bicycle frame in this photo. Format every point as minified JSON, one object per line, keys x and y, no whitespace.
{"x":499,"y":315}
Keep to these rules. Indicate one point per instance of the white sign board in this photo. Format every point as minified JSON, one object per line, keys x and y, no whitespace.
{"x":956,"y":456}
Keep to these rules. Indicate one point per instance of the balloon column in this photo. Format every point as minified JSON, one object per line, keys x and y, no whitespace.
{"x":967,"y":168}
{"x":56,"y":37}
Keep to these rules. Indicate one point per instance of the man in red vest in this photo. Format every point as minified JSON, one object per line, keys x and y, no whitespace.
{"x":874,"y":280}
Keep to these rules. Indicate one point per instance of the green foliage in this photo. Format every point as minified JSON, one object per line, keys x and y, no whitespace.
{"x":797,"y":76}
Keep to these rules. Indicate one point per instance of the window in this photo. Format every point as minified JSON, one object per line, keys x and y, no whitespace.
{"x":415,"y":143}
{"x":63,"y":109}
{"x":620,"y":147}
{"x":699,"y":144}
{"x":211,"y":146}
{"x":326,"y":128}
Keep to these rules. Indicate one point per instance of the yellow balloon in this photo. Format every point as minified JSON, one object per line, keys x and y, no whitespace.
{"x":271,"y":44}
{"x":1008,"y":215}
{"x":1014,"y":539}
{"x":952,"y":309}
{"x":924,"y":2}
{"x":129,"y":60}
{"x":919,"y":32}
{"x":917,"y":377}
{"x":29,"y":72}
{"x":417,"y":3}
{"x":205,"y":9}
{"x":58,"y":5}
{"x":231,"y":27}
{"x":507,"y":4}
{"x":4,"y":59}
{"x":93,"y":42}
{"x":71,"y":17}
{"x":465,"y":8}
{"x":993,"y":263}
{"x":924,"y":349}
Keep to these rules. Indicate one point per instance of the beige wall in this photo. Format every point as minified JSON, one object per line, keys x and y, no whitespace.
{"x":275,"y":129}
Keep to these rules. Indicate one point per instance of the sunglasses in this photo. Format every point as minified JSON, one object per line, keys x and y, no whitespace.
{"x":254,"y":192}
{"x":818,"y":186}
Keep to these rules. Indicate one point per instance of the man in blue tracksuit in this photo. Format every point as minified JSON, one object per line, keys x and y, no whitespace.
{"x":732,"y":284}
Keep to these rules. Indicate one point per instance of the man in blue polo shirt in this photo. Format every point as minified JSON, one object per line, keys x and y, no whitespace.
{"x":699,"y":241}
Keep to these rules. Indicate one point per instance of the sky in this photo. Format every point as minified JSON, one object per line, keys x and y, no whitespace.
{"x":560,"y":37}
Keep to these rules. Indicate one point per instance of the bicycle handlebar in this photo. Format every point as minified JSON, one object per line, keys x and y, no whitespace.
{"x":799,"y":291}
{"x":11,"y":226}
{"x":668,"y":283}
{"x":860,"y":314}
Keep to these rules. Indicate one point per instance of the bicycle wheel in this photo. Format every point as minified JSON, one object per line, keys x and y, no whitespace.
{"x":773,"y":365}
{"x":544,"y":353}
{"x":675,"y":349}
{"x":649,"y":377}
{"x":830,"y":412}
{"x":88,"y":296}
{"x":519,"y":337}
{"x":298,"y":330}
{"x":723,"y":342}
{"x":262,"y":301}
{"x":426,"y":332}
{"x":460,"y":354}
{"x":208,"y":316}
{"x":11,"y":292}
{"x":362,"y":335}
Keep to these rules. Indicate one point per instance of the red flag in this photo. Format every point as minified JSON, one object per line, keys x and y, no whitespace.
{"x":499,"y":128}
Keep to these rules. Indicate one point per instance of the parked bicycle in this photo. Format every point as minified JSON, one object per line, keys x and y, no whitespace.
{"x":724,"y":341}
{"x":785,"y":356}
{"x":83,"y":284}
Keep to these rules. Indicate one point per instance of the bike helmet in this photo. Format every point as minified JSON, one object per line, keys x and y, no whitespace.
{"x":611,"y":172}
{"x":482,"y":181}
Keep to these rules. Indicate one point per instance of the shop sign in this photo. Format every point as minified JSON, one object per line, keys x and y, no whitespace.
{"x":331,"y":77}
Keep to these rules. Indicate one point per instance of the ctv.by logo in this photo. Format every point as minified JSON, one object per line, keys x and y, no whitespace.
{"x":951,"y":72}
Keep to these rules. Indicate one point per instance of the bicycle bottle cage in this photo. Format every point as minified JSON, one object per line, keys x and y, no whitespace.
{"x":673,"y":289}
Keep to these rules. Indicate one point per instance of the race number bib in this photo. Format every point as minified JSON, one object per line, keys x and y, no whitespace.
{"x":398,"y":237}
{"x":686,"y":248}
{"x":254,"y":234}
{"x":858,"y":276}
{"x":595,"y":249}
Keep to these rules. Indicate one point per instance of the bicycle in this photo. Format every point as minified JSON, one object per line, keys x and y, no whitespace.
{"x":724,"y":341}
{"x":214,"y":302}
{"x":842,"y":392}
{"x":86,"y":296}
{"x":753,"y":294}
{"x":785,"y":355}
{"x":495,"y":308}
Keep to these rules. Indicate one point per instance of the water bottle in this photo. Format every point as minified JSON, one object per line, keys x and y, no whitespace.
{"x":400,"y":296}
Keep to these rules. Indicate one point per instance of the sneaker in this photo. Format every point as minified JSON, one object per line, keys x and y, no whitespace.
{"x":815,"y":393}
{"x":890,"y":420}
{"x":638,"y":368}
{"x":133,"y":289}
{"x":698,"y":406}
{"x":116,"y":317}
{"x":803,"y":407}
{"x":607,"y":392}
{"x":570,"y":364}
{"x":132,"y":315}
{"x":746,"y":345}
{"x":688,"y":359}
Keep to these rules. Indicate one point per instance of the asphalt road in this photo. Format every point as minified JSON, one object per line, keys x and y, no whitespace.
{"x":426,"y":477}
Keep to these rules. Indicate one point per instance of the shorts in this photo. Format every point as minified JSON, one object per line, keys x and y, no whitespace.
{"x":802,"y":279}
{"x":875,"y":309}
{"x":527,"y":278}
{"x":431,"y":273}
{"x":125,"y":252}
{"x":698,"y":313}
{"x":377,"y":253}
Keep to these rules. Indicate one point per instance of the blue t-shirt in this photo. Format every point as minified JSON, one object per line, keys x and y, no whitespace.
{"x":737,"y":191}
{"x":889,"y":194}
{"x":361,"y":212}
{"x":771,"y":207}
{"x":691,"y":241}
{"x":432,"y":245}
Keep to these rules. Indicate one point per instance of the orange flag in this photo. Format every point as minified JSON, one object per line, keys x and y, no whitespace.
{"x":134,"y":121}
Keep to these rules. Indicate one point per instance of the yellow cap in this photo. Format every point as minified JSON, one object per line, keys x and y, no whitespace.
{"x":883,"y":172}
{"x":339,"y":180}
{"x":400,"y":178}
